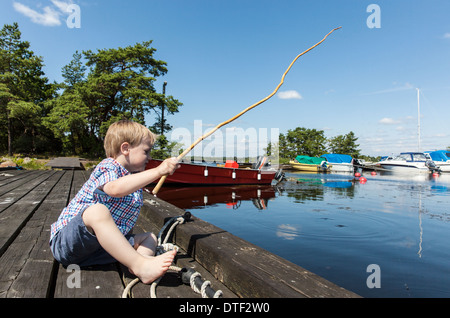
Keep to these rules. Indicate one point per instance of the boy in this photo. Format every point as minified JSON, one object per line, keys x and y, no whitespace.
{"x":94,"y":228}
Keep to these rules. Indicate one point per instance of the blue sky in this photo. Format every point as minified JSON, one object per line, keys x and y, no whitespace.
{"x":226,"y":55}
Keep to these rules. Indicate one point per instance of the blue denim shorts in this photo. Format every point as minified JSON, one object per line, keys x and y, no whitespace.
{"x":74,"y":244}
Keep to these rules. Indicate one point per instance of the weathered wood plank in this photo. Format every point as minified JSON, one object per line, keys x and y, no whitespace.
{"x":15,"y":216}
{"x":17,"y":182}
{"x":103,"y":281}
{"x":64,"y":163}
{"x":7,"y":177}
{"x":36,"y":277}
{"x":27,"y":264}
{"x":91,"y":282}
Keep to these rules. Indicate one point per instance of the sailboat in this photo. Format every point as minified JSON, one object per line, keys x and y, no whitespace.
{"x":410,"y":161}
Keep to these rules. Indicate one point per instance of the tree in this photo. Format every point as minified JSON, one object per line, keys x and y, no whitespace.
{"x":119,"y":84}
{"x":68,"y":115}
{"x":302,"y":141}
{"x":345,"y":144}
{"x":23,"y":88}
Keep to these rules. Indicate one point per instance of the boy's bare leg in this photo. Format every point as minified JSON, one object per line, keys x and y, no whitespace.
{"x":145,"y":244}
{"x":97,"y":219}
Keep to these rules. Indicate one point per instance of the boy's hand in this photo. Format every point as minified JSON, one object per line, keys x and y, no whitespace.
{"x":168,"y":166}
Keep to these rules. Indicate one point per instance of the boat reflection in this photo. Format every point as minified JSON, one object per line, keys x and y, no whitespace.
{"x":231,"y":196}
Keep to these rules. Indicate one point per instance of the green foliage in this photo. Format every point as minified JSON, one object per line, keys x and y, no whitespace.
{"x":72,"y":117}
{"x":345,"y":144}
{"x":302,"y":141}
{"x":99,"y":88}
{"x":23,"y":89}
{"x":313,"y":143}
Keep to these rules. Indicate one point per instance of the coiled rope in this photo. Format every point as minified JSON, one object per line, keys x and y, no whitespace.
{"x":188,"y":276}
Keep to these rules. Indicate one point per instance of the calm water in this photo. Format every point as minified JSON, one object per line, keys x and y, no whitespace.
{"x":336,"y":227}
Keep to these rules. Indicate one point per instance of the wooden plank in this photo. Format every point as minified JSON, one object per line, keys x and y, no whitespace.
{"x":102,"y":281}
{"x":246,"y":269}
{"x":64,"y":163}
{"x":12,"y":192}
{"x":12,"y":182}
{"x":91,"y":282}
{"x":36,"y":276}
{"x":15,"y":216}
{"x":27,"y":263}
{"x":9,"y":176}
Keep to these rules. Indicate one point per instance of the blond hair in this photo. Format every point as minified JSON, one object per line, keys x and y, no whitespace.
{"x":125,"y":131}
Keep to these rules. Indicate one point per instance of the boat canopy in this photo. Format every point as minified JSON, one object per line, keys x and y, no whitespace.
{"x":439,"y":155}
{"x":309,"y":160}
{"x":337,"y":158}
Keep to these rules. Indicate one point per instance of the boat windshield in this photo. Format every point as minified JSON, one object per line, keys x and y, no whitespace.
{"x":403,"y":157}
{"x":411,"y":157}
{"x":419,"y":157}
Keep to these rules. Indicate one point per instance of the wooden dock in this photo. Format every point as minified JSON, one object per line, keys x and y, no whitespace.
{"x":31,"y":200}
{"x":65,"y":163}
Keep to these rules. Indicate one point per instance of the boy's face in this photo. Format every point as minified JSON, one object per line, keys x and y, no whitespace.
{"x":138,"y":156}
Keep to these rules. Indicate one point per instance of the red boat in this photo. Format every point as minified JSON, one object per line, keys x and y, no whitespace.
{"x":201,"y":174}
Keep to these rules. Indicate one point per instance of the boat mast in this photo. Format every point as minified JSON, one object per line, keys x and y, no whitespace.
{"x":418,"y":119}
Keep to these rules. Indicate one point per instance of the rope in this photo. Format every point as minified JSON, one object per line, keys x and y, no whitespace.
{"x":193,"y":277}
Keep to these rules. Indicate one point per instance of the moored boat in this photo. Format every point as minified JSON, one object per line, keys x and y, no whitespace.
{"x":310,"y":164}
{"x":441,"y":158}
{"x":339,"y":162}
{"x":204,"y":174}
{"x":408,"y":162}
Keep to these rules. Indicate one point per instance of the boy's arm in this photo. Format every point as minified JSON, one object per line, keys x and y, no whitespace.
{"x":133,"y":182}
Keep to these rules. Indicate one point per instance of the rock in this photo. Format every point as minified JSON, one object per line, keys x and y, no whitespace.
{"x":7,"y":163}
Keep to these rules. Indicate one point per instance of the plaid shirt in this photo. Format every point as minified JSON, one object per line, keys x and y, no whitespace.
{"x":124,"y":211}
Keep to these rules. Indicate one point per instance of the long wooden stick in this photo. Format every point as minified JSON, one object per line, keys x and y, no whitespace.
{"x":163,"y":178}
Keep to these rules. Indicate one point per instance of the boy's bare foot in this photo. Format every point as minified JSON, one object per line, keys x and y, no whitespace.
{"x":154,"y":267}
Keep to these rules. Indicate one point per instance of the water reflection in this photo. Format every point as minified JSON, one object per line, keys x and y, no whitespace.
{"x":287,"y":231}
{"x":231,"y":196}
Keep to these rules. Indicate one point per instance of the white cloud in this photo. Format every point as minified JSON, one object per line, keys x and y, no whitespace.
{"x":446,"y":35}
{"x":50,"y":15}
{"x":388,"y":121}
{"x":289,"y":95}
{"x":62,"y":6}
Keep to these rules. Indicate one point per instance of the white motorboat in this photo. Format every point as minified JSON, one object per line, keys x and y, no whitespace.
{"x":408,"y":162}
{"x":339,"y":162}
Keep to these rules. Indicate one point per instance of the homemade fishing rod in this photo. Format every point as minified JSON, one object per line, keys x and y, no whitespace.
{"x":184,"y":153}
